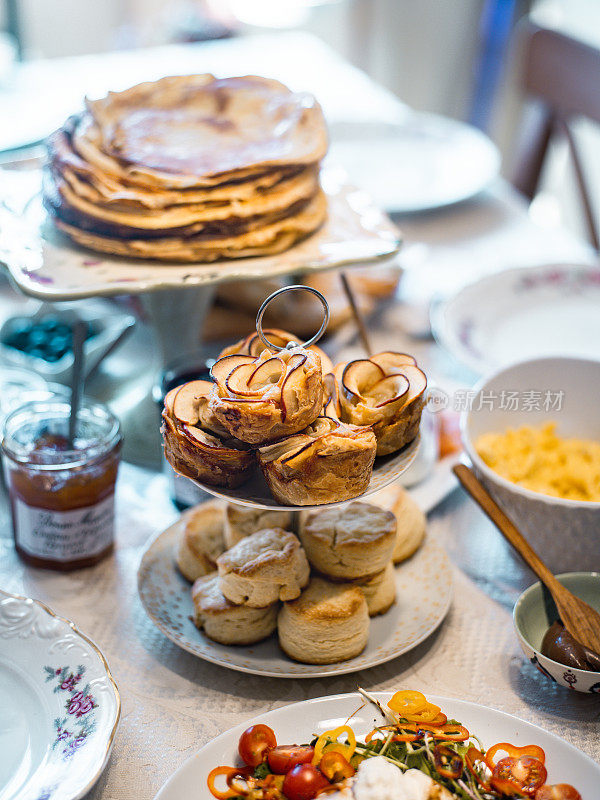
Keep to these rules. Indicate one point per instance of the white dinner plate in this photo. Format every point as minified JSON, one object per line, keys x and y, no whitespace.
{"x":423,"y":162}
{"x":256,"y":493}
{"x":520,"y":314}
{"x":44,"y":263}
{"x":299,"y":722}
{"x":59,"y":705}
{"x":424,"y":592}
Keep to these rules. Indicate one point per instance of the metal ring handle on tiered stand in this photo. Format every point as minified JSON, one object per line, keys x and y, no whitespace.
{"x":295,"y":287}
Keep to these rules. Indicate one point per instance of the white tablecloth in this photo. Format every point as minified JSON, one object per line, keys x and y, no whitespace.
{"x":174,"y":703}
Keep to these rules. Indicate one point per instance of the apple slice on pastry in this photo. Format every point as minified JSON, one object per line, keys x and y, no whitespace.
{"x":253,"y":345}
{"x":196,"y":445}
{"x":386,"y":392}
{"x":261,"y":399}
{"x":327,"y":462}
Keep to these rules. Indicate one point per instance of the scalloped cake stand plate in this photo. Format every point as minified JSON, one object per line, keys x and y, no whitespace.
{"x":59,"y":705}
{"x":299,"y":722}
{"x":255,"y":492}
{"x":424,"y":593}
{"x":46,"y":264}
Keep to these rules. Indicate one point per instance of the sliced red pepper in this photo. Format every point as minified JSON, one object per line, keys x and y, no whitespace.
{"x":229,"y":773}
{"x":472,"y":759}
{"x":508,"y":788}
{"x":514,"y":752}
{"x":447,"y":762}
{"x":411,"y":732}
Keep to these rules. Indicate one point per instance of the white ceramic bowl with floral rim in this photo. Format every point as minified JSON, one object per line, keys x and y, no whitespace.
{"x":59,"y":705}
{"x":531,"y":623}
{"x":566,"y":533}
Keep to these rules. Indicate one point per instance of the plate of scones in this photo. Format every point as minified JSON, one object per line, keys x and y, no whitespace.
{"x":279,"y":426}
{"x":323,"y":591}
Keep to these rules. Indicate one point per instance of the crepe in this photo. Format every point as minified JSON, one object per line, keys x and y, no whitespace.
{"x":202,"y":127}
{"x":189,"y":168}
{"x":273,"y":239}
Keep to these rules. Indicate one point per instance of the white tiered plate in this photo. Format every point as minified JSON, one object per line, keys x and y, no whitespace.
{"x":59,"y":705}
{"x":424,"y":592}
{"x":255,"y":492}
{"x":299,"y":722}
{"x":46,"y":264}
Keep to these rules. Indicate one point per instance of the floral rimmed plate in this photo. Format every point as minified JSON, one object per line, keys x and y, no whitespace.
{"x":423,"y":587}
{"x":520,"y":314}
{"x":59,"y":705}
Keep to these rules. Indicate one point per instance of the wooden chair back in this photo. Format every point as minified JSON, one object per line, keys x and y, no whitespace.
{"x":563,"y":75}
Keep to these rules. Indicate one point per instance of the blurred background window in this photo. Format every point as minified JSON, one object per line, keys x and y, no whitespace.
{"x":454,"y":58}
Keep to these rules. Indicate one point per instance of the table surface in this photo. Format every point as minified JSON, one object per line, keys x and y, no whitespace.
{"x":174,"y":703}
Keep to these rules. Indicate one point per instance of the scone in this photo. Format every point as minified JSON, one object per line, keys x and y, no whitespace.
{"x":241,"y":521}
{"x":253,"y":345}
{"x":225,"y":622}
{"x":410,"y":520}
{"x":386,"y":392}
{"x":263,"y":568}
{"x":201,"y":539}
{"x":328,"y":623}
{"x":379,"y":590}
{"x":326,"y":463}
{"x":262,"y":399}
{"x":196,"y":446}
{"x":348,"y":542}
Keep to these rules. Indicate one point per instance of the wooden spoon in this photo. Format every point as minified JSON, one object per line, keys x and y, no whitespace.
{"x":580,"y":619}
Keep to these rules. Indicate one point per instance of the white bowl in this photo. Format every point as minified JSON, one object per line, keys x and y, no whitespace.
{"x":566,"y":533}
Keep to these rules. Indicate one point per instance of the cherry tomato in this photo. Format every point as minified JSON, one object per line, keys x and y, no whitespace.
{"x":560,"y":791}
{"x":255,"y":743}
{"x":304,"y":782}
{"x":526,"y":774}
{"x":285,"y":757}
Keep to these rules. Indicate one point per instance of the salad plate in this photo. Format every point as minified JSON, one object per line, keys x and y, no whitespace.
{"x":59,"y":705}
{"x":520,"y":314}
{"x":565,"y":764}
{"x":424,"y":593}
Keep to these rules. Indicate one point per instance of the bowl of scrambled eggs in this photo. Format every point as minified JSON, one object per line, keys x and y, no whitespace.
{"x":532,"y":432}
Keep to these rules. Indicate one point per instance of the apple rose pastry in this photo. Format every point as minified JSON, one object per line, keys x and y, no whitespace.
{"x":261,"y":399}
{"x":328,"y":462}
{"x":386,"y":392}
{"x":253,"y":345}
{"x":196,"y":445}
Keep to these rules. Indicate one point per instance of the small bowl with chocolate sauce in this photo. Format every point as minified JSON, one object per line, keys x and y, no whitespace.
{"x":547,"y":645}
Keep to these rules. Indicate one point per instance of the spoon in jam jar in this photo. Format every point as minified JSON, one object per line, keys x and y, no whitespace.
{"x":79,"y":335}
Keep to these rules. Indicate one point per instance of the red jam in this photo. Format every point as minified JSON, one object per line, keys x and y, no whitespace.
{"x":62,"y":493}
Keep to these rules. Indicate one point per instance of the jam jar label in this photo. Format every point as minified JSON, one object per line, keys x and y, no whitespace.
{"x":65,"y":535}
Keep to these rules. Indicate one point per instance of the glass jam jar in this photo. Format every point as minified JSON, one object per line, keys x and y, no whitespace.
{"x":62,"y":493}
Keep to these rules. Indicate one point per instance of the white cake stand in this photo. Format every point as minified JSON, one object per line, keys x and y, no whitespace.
{"x":45,"y":264}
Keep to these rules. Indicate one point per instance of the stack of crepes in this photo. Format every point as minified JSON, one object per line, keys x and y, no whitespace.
{"x":190,"y":168}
